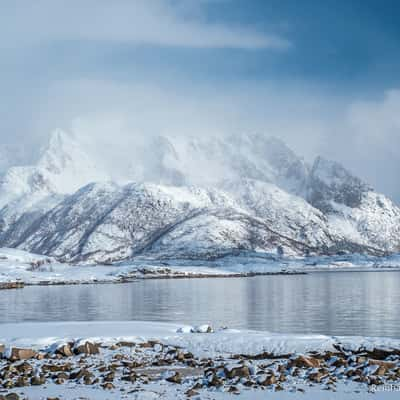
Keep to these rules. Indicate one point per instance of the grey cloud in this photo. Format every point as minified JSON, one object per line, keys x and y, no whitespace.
{"x":141,"y":21}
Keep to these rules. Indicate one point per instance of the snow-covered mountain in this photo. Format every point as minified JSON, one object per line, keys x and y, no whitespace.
{"x":197,"y":198}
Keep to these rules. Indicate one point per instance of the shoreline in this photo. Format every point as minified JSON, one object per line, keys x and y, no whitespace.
{"x":19,"y":269}
{"x":171,"y":361}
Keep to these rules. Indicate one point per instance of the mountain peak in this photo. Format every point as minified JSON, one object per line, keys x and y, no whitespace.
{"x":329,"y":182}
{"x":60,"y":152}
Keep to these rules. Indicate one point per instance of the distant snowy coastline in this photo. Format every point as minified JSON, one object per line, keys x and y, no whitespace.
{"x":18,"y":268}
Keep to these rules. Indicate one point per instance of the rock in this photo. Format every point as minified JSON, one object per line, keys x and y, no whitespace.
{"x":278,"y":387}
{"x":57,"y":367}
{"x":233,"y":389}
{"x":241,"y":371}
{"x":316,"y":376}
{"x":386,"y":364}
{"x":24,"y":367}
{"x":77,"y":375}
{"x":381,"y":371}
{"x":38,"y":380}
{"x":266,"y":380}
{"x":22,"y":354}
{"x":63,"y":375}
{"x":129,"y":378}
{"x":109,"y":377}
{"x":379,"y":354}
{"x":213,"y":380}
{"x":338,"y":362}
{"x":203,"y":329}
{"x":125,"y":344}
{"x":21,"y":381}
{"x":65,"y":350}
{"x":158,"y":347}
{"x":12,"y":396}
{"x":188,"y":355}
{"x":175,"y":378}
{"x":8,"y":384}
{"x":191,"y":392}
{"x":87,"y":348}
{"x":306,"y":362}
{"x":108,"y":386}
{"x":282,"y":377}
{"x":87,"y":380}
{"x":180,"y":355}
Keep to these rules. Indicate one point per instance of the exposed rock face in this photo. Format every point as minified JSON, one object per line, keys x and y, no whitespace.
{"x":329,"y":182}
{"x":252,"y":193}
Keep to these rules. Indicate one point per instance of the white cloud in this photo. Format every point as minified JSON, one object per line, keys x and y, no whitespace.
{"x":155,"y":22}
{"x":377,"y":122}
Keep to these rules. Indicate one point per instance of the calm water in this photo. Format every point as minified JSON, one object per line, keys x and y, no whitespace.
{"x":336,"y":303}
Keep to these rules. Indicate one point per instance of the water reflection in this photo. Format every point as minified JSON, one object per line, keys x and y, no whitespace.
{"x":350,"y":303}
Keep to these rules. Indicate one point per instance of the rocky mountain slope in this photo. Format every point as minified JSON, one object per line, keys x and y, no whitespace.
{"x":192,"y":198}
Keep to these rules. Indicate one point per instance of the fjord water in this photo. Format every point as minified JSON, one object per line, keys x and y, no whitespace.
{"x":332,"y":303}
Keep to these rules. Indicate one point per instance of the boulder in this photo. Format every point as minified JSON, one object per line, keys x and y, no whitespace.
{"x":174,"y":378}
{"x":24,"y":367}
{"x":386,"y":364}
{"x":267,"y":380}
{"x":306,"y":362}
{"x":87,"y":348}
{"x":109,"y":377}
{"x":108,"y":386}
{"x":125,"y":344}
{"x":191,"y":392}
{"x":22,"y":354}
{"x":12,"y":396}
{"x":38,"y":380}
{"x":65,"y":350}
{"x":241,"y":371}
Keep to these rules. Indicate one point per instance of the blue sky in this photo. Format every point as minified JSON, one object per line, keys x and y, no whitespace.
{"x":323,"y":75}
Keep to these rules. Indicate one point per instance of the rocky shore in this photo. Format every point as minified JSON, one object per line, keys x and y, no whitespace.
{"x":124,"y":368}
{"x":11,"y":285}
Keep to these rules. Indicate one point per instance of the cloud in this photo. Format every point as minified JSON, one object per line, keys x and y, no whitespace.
{"x":364,"y":138}
{"x":149,"y":22}
{"x":112,"y":119}
{"x":377,"y":121}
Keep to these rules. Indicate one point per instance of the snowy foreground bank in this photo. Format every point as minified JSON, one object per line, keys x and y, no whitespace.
{"x":19,"y":267}
{"x":147,"y":360}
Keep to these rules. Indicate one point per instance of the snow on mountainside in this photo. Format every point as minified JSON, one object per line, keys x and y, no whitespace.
{"x":198,"y":198}
{"x":352,"y":207}
{"x":107,"y":222}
